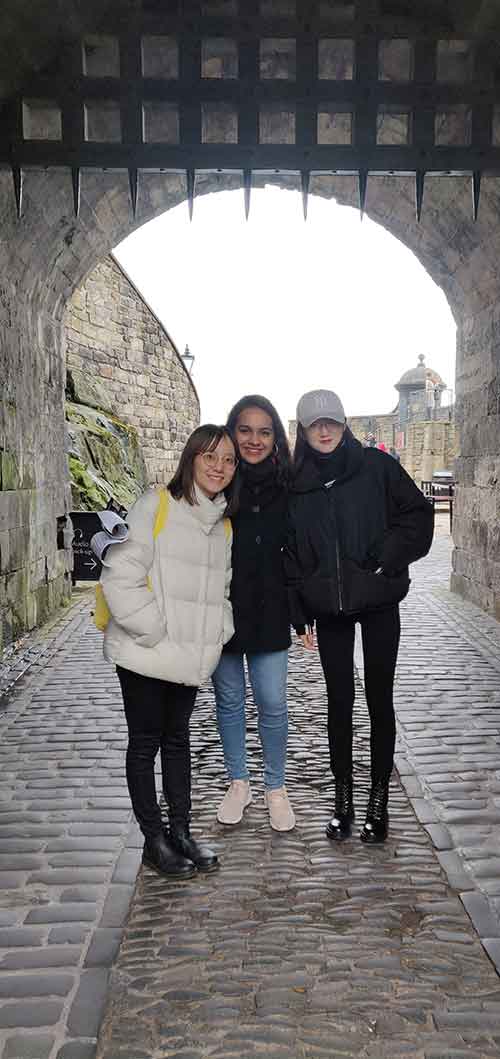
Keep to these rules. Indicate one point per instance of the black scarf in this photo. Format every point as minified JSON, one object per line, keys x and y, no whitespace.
{"x":259,"y":484}
{"x":329,"y":465}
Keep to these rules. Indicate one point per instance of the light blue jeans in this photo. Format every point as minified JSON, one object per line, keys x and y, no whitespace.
{"x":267,"y":672}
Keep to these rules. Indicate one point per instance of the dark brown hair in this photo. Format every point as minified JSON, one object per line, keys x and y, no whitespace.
{"x":282,"y":450}
{"x":204,"y":439}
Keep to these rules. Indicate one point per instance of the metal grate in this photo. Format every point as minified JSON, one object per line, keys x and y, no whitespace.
{"x":308,"y":86}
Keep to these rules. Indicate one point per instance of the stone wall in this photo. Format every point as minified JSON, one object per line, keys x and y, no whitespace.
{"x":34,"y":494}
{"x":430,"y":446}
{"x":112,"y":333}
{"x":383,"y":427}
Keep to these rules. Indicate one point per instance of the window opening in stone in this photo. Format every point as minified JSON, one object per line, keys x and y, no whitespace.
{"x":278,"y":8}
{"x":453,"y":125}
{"x":103,"y":121}
{"x":455,"y":60}
{"x":393,"y":125}
{"x":276,"y":124}
{"x":219,"y":57}
{"x":278,"y":59}
{"x":101,"y":57}
{"x":335,"y":60}
{"x":395,"y":60}
{"x":160,"y":122}
{"x":219,"y":123}
{"x":334,"y":124}
{"x":160,"y":57}
{"x":41,"y":120}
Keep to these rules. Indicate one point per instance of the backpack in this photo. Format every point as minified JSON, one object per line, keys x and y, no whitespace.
{"x":102,"y":612}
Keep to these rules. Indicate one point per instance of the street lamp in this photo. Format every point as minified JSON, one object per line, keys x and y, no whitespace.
{"x":188,"y":359}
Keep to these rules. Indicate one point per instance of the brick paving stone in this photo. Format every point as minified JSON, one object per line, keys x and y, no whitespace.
{"x":77,"y":1050}
{"x":29,"y":1013}
{"x":88,"y":1005}
{"x":32,"y":1047}
{"x":103,"y":947}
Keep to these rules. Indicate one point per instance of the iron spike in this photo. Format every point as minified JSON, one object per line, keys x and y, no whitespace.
{"x":247,"y":189}
{"x":133,"y":180}
{"x":305,"y":177}
{"x":17,"y":175}
{"x":419,"y":191}
{"x":476,"y":192}
{"x":190,"y":179}
{"x":75,"y":180}
{"x":362,"y":184}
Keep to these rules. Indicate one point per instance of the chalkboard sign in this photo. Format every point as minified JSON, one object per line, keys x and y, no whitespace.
{"x":86,"y":567}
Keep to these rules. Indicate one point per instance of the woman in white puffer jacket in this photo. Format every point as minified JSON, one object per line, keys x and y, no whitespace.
{"x":167,"y":589}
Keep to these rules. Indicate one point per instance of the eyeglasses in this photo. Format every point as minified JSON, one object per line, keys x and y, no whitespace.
{"x":210,"y":459}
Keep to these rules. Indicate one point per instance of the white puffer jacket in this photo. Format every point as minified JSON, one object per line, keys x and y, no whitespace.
{"x":175,"y":629}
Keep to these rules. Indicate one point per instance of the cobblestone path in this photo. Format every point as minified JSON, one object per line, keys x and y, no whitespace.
{"x":296,"y":948}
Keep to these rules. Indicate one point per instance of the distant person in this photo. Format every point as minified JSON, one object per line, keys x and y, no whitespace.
{"x":370,"y":441}
{"x":260,"y":611}
{"x":381,"y":446}
{"x":167,"y":589}
{"x":356,"y":521}
{"x":395,"y":455}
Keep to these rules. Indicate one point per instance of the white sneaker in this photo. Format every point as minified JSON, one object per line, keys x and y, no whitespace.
{"x":281,"y":814}
{"x":234,"y":802}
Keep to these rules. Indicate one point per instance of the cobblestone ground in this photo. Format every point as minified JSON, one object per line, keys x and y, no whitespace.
{"x":296,"y":948}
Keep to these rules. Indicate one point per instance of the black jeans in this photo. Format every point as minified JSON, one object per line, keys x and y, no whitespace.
{"x":158,"y":714}
{"x":380,"y":633}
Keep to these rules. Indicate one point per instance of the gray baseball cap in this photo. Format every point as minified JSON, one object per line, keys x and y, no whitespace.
{"x":320,"y":404}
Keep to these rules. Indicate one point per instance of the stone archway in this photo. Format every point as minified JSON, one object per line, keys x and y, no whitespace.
{"x":46,"y":255}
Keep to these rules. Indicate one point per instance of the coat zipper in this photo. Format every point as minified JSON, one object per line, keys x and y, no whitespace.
{"x":337,"y":551}
{"x":339,"y":577}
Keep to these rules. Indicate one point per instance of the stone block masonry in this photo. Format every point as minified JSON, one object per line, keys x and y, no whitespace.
{"x":113,"y":334}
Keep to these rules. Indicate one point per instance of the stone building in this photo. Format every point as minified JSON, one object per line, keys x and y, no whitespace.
{"x":420,"y":429}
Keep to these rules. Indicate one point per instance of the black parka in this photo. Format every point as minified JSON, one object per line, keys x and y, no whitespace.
{"x":372,"y":516}
{"x":258,"y":589}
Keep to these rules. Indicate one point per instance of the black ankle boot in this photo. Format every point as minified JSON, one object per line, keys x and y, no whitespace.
{"x":160,"y":855}
{"x":202,"y":856}
{"x":376,"y":825}
{"x":340,"y":824}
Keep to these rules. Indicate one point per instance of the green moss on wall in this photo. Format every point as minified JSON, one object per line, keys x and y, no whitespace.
{"x":86,"y":493}
{"x":105,"y":459}
{"x":9,"y":471}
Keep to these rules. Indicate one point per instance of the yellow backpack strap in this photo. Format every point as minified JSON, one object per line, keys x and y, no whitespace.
{"x":101,"y":611}
{"x":227,"y":528}
{"x":162,"y":512}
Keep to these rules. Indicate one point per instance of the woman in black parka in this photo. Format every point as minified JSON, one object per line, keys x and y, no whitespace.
{"x":356,"y":522}
{"x":260,"y":612}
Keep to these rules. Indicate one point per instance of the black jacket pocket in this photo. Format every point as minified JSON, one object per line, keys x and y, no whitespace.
{"x":363,"y":590}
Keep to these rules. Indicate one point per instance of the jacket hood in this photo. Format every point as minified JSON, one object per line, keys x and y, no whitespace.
{"x":307,"y":478}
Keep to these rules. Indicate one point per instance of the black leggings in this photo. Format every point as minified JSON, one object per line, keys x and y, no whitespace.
{"x":380,"y":633}
{"x":158,"y":714}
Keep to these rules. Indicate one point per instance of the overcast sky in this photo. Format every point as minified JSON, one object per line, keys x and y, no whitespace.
{"x":277,"y":306}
